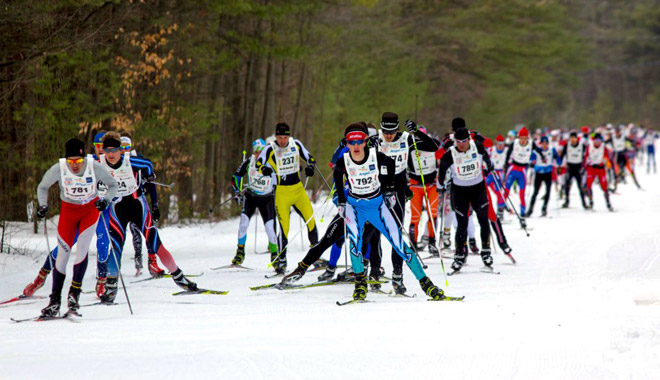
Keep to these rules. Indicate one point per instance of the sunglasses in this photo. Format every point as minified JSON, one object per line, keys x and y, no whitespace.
{"x":126,"y":147}
{"x":76,"y":161}
{"x":356,"y":142}
{"x":98,"y":144}
{"x":463,"y":141}
{"x":386,"y":132}
{"x":111,"y":150}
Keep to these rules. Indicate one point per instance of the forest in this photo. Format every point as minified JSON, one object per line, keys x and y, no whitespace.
{"x":195,"y":82}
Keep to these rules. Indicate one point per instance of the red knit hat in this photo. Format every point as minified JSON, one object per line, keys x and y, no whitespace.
{"x":499,"y":138}
{"x":523,"y":132}
{"x":585,"y":129}
{"x":488,"y":143}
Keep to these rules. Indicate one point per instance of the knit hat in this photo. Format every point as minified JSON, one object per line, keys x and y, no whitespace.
{"x":499,"y":138}
{"x":457,"y":123}
{"x":74,"y":148}
{"x":544,"y":139}
{"x":523,"y":132}
{"x":461,"y":134}
{"x":389,"y":121}
{"x":488,"y":143}
{"x":282,"y":129}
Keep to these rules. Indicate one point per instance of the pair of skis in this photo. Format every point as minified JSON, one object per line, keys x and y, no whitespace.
{"x":446,"y":298}
{"x":68,"y":315}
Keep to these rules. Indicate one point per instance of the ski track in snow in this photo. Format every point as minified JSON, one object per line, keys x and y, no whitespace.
{"x":582,"y":303}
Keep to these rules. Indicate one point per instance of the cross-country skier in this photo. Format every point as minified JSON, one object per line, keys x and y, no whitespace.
{"x":371,"y":179}
{"x":595,"y":158}
{"x":468,"y":160}
{"x":284,"y":157}
{"x":399,"y":146}
{"x":78,"y":176}
{"x":573,"y":154}
{"x":131,"y":206}
{"x":520,"y":152}
{"x":258,"y":195}
{"x":543,"y":168}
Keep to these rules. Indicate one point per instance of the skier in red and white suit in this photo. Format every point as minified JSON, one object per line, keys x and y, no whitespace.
{"x":595,"y":159}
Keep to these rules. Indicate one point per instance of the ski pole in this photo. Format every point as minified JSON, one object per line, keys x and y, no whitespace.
{"x":323,"y":178}
{"x":289,"y":240}
{"x":226,"y":201}
{"x":255,"y":230}
{"x":114,"y":256}
{"x":513,"y":207}
{"x":428,"y":209}
{"x":162,"y":184}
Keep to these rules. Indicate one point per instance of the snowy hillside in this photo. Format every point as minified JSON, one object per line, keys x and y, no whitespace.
{"x":582,"y":303}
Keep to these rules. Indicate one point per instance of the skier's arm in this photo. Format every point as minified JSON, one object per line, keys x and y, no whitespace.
{"x":424,"y":142}
{"x":485,"y":156}
{"x":445,"y":163}
{"x":508,"y":155}
{"x":304,"y":153}
{"x":338,"y":177}
{"x":51,"y":176}
{"x":102,"y":175}
{"x":239,"y":174}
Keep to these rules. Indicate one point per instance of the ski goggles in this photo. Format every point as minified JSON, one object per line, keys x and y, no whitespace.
{"x":111,"y":150}
{"x":463,"y":141}
{"x":355,"y":142}
{"x":98,"y":144}
{"x":76,"y":161}
{"x":126,"y":147}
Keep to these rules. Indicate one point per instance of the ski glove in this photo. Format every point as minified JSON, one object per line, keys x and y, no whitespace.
{"x":101,"y":204}
{"x":390,"y":199}
{"x":42,"y":211}
{"x":151,"y":178}
{"x":341,"y":210}
{"x":309,"y":170}
{"x":155,"y":212}
{"x":265,"y":170}
{"x":373,"y":142}
{"x":239,"y":198}
{"x":412,"y":127}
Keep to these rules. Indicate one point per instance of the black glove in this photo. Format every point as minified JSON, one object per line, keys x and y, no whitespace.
{"x":343,"y":142}
{"x":239,"y":198}
{"x":409,"y":193}
{"x":309,"y":170}
{"x":155,"y":212}
{"x":390,"y":199}
{"x":489,"y":167}
{"x":265,"y":170}
{"x":42,"y":211}
{"x":412,"y":127}
{"x":151,"y":178}
{"x":373,"y":142}
{"x":101,"y":204}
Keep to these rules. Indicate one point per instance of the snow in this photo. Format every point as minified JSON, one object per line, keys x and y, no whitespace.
{"x":582,"y":303}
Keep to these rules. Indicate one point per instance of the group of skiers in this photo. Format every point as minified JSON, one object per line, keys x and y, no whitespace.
{"x":375,"y":173}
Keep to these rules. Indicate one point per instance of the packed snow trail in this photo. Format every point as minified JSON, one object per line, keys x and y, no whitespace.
{"x":582,"y":302}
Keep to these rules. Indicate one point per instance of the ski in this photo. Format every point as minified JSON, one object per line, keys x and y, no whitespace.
{"x":453,"y":272}
{"x":352,"y":302}
{"x":513,"y":261}
{"x":488,"y":270}
{"x":69,"y":313}
{"x":232,"y":266}
{"x":431,"y":257}
{"x":404,"y":295}
{"x":274,"y":275}
{"x":101,"y":303}
{"x":20,"y":298}
{"x":380,"y":291}
{"x":448,"y":298}
{"x":282,"y":286}
{"x":201,"y":291}
{"x":164,"y":276}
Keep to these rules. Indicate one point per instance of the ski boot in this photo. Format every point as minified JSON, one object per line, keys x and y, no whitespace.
{"x":459,"y":258}
{"x":360,"y":292}
{"x":327,"y":275}
{"x":374,"y":277}
{"x":154,"y":269}
{"x":110,"y":290}
{"x":240,"y":255}
{"x":138,"y":262}
{"x":36,"y":284}
{"x":544,"y":212}
{"x":424,"y":243}
{"x":280,"y":265}
{"x":100,"y":286}
{"x":609,"y":206}
{"x":296,"y":275}
{"x":565,"y":205}
{"x":431,"y":290}
{"x":397,"y":283}
{"x":346,"y":276}
{"x":523,"y":223}
{"x":53,"y":308}
{"x":473,"y":246}
{"x":321,"y":263}
{"x":433,"y":249}
{"x":182,"y":281}
{"x":486,"y":257}
{"x":72,"y":300}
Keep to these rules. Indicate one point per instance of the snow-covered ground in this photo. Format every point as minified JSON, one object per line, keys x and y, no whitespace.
{"x":582,"y":303}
